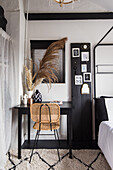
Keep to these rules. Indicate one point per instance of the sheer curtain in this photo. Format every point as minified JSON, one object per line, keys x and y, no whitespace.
{"x":7,"y":93}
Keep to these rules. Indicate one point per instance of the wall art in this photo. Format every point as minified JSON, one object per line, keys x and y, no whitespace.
{"x":78,"y":80}
{"x":85,"y":56}
{"x":75,"y":52}
{"x":87,"y":77}
{"x":83,"y":67}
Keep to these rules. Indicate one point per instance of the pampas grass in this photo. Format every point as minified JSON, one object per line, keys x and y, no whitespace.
{"x":47,"y":66}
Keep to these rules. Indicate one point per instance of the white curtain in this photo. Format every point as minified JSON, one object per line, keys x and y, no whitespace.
{"x":7,"y":93}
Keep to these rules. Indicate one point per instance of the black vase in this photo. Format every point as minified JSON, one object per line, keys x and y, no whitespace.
{"x":37,"y":97}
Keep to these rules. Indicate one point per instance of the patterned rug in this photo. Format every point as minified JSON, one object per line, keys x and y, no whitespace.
{"x":47,"y":159}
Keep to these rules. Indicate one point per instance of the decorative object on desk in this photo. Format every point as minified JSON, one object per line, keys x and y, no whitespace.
{"x":25,"y":99}
{"x":37,"y":97}
{"x":47,"y":66}
{"x":29,"y":97}
{"x":29,"y":93}
{"x":58,"y":102}
{"x":85,"y":89}
{"x":30,"y":101}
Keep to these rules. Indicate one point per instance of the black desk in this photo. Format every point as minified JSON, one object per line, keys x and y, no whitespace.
{"x":65,"y":109}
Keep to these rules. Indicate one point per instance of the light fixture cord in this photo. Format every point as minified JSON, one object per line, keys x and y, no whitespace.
{"x":26,"y":38}
{"x":26,"y":32}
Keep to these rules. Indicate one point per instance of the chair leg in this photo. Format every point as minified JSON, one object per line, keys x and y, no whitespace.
{"x":58,"y":137}
{"x":57,"y":146}
{"x":35,"y":142}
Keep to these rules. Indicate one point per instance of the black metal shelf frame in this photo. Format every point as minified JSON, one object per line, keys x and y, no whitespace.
{"x":103,"y":72}
{"x":95,"y":66}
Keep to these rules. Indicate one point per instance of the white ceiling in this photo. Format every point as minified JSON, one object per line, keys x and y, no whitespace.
{"x":108,"y":4}
{"x":10,"y":5}
{"x":49,"y":6}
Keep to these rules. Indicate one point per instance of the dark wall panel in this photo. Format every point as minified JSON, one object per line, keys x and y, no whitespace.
{"x":81,"y":103}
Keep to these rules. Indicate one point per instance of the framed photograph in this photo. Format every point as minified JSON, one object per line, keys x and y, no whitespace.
{"x":87,"y":77}
{"x":85,"y":56}
{"x":83,"y":67}
{"x":75,"y":52}
{"x":78,"y":80}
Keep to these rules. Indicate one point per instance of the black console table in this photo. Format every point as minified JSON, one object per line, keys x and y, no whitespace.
{"x":65,"y":109}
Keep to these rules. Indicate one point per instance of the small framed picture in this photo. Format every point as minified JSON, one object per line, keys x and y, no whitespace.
{"x":75,"y":52}
{"x":85,"y":56}
{"x":87,"y":77}
{"x":78,"y":80}
{"x":83,"y":67}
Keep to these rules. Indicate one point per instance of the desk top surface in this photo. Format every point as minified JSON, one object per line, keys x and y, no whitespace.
{"x":64,"y":105}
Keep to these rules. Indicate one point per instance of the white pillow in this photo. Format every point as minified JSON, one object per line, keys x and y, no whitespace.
{"x":109,"y":107}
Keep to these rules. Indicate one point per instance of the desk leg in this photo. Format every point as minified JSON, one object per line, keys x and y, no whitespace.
{"x":29,"y":127}
{"x":70,"y":133}
{"x":19,"y":133}
{"x":68,"y":122}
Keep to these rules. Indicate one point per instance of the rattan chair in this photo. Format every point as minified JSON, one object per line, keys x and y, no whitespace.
{"x":46,"y":117}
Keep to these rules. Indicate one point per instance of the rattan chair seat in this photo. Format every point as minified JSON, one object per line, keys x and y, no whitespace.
{"x":46,"y":126}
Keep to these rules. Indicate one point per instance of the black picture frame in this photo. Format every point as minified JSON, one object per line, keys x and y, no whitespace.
{"x":75,"y":52}
{"x":43,"y":45}
{"x":87,"y":77}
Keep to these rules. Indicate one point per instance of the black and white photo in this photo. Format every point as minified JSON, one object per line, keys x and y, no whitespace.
{"x":76,"y":52}
{"x":78,"y":80}
{"x":87,"y":77}
{"x":85,"y":56}
{"x":83,"y":67}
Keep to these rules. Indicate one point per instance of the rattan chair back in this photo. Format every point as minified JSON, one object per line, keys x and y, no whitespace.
{"x":46,"y":114}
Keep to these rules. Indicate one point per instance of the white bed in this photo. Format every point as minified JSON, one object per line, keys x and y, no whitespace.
{"x":105,"y":140}
{"x":105,"y":136}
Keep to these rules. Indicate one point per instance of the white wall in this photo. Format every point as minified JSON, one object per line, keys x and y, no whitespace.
{"x":104,"y":81}
{"x":76,"y":31}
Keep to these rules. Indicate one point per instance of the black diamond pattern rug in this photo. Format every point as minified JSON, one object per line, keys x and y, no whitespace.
{"x":47,"y":159}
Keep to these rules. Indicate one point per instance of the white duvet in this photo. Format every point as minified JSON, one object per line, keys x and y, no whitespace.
{"x":105,"y":140}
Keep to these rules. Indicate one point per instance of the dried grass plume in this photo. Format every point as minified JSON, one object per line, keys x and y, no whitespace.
{"x":47,"y":66}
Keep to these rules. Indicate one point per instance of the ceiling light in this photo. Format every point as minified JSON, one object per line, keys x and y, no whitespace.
{"x":61,"y":2}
